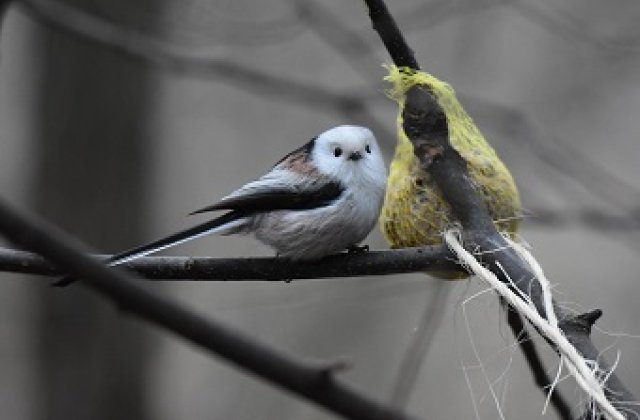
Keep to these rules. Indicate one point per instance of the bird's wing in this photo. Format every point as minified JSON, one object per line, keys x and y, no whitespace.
{"x":280,"y":190}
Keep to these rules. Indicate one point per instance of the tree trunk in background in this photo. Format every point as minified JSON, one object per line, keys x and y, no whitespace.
{"x":91,"y":149}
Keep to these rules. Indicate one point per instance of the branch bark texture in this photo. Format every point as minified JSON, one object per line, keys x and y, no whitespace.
{"x":411,"y":260}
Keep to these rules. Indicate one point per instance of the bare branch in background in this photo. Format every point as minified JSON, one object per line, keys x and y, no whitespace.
{"x":432,"y":14}
{"x":592,"y":218}
{"x":214,"y":25}
{"x":349,"y":44}
{"x":4,"y":4}
{"x":565,"y":25}
{"x":90,"y":28}
{"x":419,"y":345}
{"x":558,"y":154}
{"x":561,"y":23}
{"x":410,"y":260}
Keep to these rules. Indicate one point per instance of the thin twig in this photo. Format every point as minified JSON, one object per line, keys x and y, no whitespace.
{"x":371,"y":263}
{"x":4,"y":4}
{"x":87,"y":27}
{"x":419,"y":345}
{"x":306,"y":380}
{"x":137,"y":46}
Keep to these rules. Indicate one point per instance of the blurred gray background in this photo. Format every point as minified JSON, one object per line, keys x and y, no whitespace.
{"x":117,"y":152}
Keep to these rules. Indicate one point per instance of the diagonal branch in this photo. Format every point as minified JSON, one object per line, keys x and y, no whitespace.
{"x":315,"y":383}
{"x":449,"y":171}
{"x":372,"y":263}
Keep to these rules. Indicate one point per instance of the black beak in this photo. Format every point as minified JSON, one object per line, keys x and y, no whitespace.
{"x":355,"y":156}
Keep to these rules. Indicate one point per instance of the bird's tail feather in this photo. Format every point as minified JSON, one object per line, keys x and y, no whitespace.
{"x":230,"y":220}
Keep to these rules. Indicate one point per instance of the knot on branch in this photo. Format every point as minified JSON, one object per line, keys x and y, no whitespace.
{"x":582,"y":322}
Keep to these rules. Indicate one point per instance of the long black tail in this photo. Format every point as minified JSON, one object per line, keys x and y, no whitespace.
{"x":223,"y":222}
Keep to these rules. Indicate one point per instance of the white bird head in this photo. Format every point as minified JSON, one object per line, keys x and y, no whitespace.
{"x":350,"y":154}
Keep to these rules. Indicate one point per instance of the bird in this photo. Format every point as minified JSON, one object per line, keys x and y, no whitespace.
{"x":322,"y":198}
{"x":414,"y":212}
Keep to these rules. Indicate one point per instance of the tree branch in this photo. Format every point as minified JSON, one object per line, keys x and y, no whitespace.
{"x":425,"y":125}
{"x":392,"y":38}
{"x":372,"y":263}
{"x":4,"y":4}
{"x":314,"y":383}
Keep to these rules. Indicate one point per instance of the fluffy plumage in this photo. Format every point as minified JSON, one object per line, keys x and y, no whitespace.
{"x":319,"y":199}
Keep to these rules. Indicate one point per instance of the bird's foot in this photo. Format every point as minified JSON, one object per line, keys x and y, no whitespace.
{"x":355,"y":249}
{"x":280,"y":257}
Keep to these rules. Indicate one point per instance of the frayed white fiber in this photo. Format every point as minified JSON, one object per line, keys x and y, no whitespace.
{"x":585,"y":378}
{"x":575,"y":363}
{"x":547,"y":302}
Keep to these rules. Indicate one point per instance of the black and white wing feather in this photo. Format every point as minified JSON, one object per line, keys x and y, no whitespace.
{"x":290,"y":185}
{"x":279,"y":191}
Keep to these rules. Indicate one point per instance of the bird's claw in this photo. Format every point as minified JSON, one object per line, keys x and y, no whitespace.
{"x":355,"y":249}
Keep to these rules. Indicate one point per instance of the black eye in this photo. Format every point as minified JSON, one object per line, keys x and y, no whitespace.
{"x":367,"y":148}
{"x":337,"y":152}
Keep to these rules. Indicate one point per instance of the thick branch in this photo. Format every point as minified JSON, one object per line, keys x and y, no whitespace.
{"x":410,"y":260}
{"x":425,"y":125}
{"x":312,"y":382}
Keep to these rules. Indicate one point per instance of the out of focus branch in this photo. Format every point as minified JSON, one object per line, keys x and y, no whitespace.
{"x":410,"y":260}
{"x":592,"y":218}
{"x":425,"y":124}
{"x":563,"y":24}
{"x":348,"y":43}
{"x":558,"y":154}
{"x":90,"y":28}
{"x":4,"y":4}
{"x":147,"y":50}
{"x":315,"y":383}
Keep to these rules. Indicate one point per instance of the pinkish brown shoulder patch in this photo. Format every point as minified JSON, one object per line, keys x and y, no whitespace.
{"x":300,"y":163}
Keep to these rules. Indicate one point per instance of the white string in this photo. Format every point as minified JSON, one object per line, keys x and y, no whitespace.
{"x":588,"y":380}
{"x":547,"y":301}
{"x":575,"y":363}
